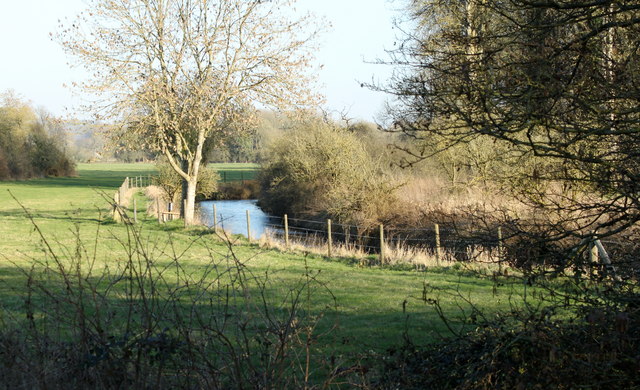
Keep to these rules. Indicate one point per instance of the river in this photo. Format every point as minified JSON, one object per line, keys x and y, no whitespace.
{"x":232,"y":216}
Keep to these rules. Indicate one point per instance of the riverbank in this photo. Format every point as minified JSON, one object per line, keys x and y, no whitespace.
{"x":237,"y":190}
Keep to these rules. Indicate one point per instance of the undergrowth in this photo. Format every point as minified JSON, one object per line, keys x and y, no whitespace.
{"x":146,"y":321}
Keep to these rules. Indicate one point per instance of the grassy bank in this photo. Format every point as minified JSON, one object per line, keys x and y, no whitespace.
{"x":354,"y":309}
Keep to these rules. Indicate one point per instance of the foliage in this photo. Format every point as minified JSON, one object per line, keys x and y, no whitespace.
{"x":240,"y":148}
{"x":579,"y":337}
{"x":550,"y":86}
{"x":183,"y":76}
{"x":30,"y":143}
{"x":171,"y":182}
{"x":320,"y":168}
{"x":238,"y":190}
{"x":132,"y":325}
{"x":547,"y":91}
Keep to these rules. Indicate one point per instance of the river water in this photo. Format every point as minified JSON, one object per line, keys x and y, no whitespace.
{"x":232,"y":216}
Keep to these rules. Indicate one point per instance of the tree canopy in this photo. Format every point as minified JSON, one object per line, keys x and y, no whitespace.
{"x":183,"y":74}
{"x":554,"y":85}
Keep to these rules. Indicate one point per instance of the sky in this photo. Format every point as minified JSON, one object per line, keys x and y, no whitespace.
{"x":37,"y":68}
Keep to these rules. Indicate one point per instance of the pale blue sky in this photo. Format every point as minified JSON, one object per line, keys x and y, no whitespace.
{"x":37,"y":69}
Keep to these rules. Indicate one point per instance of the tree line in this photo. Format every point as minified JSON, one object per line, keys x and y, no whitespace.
{"x":32,"y":142}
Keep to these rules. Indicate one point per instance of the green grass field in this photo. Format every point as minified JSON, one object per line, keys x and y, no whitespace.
{"x":236,"y":172}
{"x":373,"y":307}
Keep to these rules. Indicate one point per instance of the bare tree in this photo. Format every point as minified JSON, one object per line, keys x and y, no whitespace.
{"x":178,"y":74}
{"x":552,"y":84}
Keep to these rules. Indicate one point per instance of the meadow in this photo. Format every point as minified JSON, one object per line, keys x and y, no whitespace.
{"x":66,"y":264}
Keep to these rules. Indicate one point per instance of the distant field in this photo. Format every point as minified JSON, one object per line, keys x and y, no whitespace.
{"x":375,"y":307}
{"x":237,"y":171}
{"x":105,"y":175}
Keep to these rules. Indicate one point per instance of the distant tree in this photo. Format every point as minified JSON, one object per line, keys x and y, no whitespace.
{"x":29,"y":145}
{"x":178,"y":72}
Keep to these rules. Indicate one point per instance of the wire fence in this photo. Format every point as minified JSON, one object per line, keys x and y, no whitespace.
{"x":235,"y":175}
{"x":226,"y":176}
{"x":443,"y":243}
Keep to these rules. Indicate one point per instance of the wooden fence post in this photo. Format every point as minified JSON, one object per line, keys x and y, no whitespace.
{"x":135,"y":211}
{"x":438,"y":248}
{"x":248,"y":226}
{"x":594,"y":258}
{"x":286,"y":231}
{"x":215,"y":218}
{"x":116,"y":206}
{"x":381,"y":244}
{"x":500,"y":249}
{"x":159,"y":211}
{"x":329,"y":243}
{"x":609,"y":268}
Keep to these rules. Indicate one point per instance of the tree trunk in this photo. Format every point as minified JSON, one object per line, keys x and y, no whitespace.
{"x":189,"y":187}
{"x":188,"y":210}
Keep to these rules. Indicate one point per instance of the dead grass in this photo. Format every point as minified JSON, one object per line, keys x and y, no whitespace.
{"x":396,"y":254}
{"x":430,"y":197}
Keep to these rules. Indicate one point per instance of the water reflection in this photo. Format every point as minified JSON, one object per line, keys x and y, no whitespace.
{"x":232,"y":216}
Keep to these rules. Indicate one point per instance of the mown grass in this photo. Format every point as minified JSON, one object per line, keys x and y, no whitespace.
{"x":376,"y":308}
{"x":236,"y":172}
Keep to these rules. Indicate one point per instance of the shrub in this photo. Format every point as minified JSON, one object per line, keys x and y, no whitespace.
{"x":318,"y":168}
{"x":595,"y":354}
{"x":568,"y":336}
{"x":46,"y":158}
{"x":171,"y":183}
{"x":28,"y":148}
{"x":239,"y":190}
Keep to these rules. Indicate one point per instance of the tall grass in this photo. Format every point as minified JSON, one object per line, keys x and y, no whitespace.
{"x":146,"y":321}
{"x":397,"y":254}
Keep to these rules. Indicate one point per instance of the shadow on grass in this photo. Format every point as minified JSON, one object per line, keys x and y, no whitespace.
{"x":70,"y":215}
{"x":99,"y":179}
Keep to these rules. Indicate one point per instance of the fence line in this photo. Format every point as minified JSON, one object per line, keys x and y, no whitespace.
{"x":438,"y":239}
{"x":488,"y":245}
{"x":386,"y":241}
